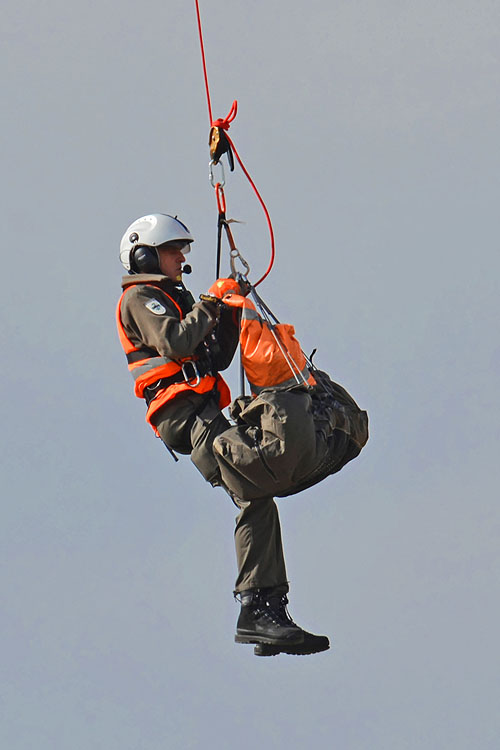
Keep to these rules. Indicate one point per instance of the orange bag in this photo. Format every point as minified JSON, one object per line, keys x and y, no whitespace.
{"x":271,"y":355}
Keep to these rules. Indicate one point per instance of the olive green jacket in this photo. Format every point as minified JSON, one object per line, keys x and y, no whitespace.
{"x":151,"y":316}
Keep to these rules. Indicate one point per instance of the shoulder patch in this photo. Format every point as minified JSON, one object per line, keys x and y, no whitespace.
{"x":156,"y":307}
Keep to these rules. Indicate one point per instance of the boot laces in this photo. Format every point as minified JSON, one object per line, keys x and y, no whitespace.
{"x":278,"y":611}
{"x":282,"y":607}
{"x":273,"y":609}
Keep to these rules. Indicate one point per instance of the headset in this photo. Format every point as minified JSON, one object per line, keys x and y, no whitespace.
{"x":144,"y":259}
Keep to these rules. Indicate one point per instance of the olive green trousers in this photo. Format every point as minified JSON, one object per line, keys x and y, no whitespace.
{"x":190,"y":424}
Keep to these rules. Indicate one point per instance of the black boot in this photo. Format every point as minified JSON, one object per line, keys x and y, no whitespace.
{"x":262,"y":622}
{"x":312,"y":644}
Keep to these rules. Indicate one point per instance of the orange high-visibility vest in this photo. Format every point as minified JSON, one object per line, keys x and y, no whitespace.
{"x":148,"y":367}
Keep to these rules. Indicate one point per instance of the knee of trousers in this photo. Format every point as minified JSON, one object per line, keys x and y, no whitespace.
{"x":208,"y":424}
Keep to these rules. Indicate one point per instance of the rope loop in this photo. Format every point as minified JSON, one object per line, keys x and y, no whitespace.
{"x":225,"y":122}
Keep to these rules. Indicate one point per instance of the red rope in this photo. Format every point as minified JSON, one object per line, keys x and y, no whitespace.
{"x":264,"y":207}
{"x":221,"y":198}
{"x":224,"y":124}
{"x":204,"y":62}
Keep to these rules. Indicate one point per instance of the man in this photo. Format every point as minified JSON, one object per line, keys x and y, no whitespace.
{"x":175,"y":349}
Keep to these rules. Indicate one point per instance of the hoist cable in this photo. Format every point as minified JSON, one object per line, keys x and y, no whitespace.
{"x":224,"y":124}
{"x":204,"y":62}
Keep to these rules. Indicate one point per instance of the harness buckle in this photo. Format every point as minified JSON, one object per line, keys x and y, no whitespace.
{"x":195,"y":373}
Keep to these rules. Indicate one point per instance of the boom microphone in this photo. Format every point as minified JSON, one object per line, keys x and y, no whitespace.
{"x":187,"y":268}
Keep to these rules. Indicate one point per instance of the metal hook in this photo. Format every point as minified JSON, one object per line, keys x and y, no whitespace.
{"x":195,"y":374}
{"x":235,"y":253}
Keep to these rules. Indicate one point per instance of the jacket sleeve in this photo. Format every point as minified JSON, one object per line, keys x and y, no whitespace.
{"x":151,"y":319}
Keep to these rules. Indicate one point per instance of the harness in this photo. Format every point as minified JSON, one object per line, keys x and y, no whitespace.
{"x":191,"y":373}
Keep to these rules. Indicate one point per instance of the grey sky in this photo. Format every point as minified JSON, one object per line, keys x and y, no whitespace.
{"x":371,"y":130}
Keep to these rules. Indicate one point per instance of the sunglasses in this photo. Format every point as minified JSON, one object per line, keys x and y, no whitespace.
{"x":180,"y":246}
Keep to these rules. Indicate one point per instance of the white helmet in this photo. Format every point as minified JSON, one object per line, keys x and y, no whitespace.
{"x":137,"y":253}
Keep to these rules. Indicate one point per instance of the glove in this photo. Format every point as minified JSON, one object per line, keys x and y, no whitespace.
{"x":211,"y":305}
{"x":237,"y":300}
{"x":224,"y":286}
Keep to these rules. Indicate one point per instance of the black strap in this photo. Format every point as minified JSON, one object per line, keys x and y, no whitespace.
{"x":220,"y":223}
{"x":140,"y":354}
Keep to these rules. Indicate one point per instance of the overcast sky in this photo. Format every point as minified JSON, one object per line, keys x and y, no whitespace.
{"x":371,"y":129}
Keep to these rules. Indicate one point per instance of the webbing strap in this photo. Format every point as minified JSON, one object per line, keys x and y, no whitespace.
{"x":139,"y":354}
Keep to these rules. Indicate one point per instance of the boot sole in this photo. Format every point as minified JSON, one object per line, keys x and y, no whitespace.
{"x":266,"y":649}
{"x":270,"y":642}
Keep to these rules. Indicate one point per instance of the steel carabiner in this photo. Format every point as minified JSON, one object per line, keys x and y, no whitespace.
{"x":233,"y":255}
{"x":211,"y":175}
{"x":196,"y":373}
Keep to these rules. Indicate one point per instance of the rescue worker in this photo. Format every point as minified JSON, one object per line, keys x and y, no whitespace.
{"x":175,"y":349}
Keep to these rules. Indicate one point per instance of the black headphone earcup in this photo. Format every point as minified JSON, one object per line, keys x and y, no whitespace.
{"x":144,"y":259}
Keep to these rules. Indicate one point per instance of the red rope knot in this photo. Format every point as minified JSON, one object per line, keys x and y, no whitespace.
{"x":225,"y":122}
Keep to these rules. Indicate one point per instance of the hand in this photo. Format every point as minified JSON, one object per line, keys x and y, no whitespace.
{"x":237,"y":300}
{"x":212,"y":305}
{"x":210,"y":298}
